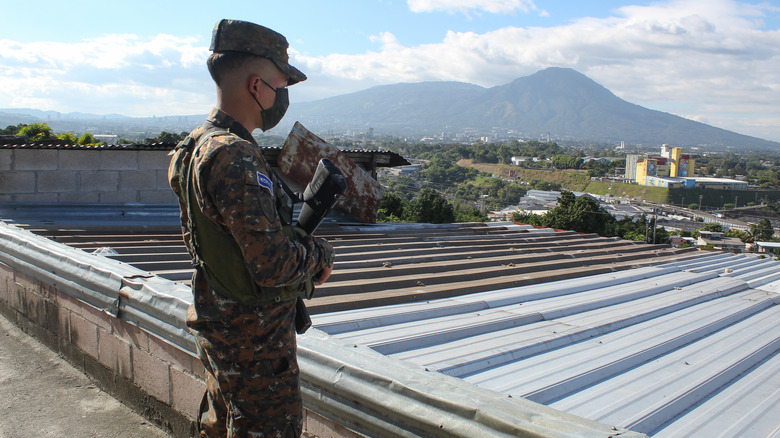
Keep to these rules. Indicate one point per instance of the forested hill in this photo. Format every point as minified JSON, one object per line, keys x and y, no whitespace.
{"x":556,"y":101}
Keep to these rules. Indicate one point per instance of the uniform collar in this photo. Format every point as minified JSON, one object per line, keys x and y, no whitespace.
{"x":222,"y":119}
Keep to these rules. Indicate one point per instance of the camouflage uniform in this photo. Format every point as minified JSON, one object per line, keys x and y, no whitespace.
{"x":248,"y":350}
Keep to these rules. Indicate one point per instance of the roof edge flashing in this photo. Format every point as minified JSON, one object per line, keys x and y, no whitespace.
{"x":381,"y":396}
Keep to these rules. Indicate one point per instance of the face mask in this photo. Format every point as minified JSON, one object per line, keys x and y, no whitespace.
{"x":273,"y":115}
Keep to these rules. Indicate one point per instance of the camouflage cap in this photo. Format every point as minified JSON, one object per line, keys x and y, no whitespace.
{"x":243,"y":36}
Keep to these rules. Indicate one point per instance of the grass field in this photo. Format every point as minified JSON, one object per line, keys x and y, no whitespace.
{"x":574,"y":180}
{"x":652,"y":194}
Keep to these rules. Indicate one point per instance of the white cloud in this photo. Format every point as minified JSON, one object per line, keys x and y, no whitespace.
{"x":113,"y":73}
{"x":467,"y":6}
{"x":711,"y":60}
{"x":705,"y":58}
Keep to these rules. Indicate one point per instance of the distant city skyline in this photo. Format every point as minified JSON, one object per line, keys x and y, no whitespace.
{"x":714,"y":61}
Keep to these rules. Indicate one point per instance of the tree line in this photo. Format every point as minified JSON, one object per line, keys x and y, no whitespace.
{"x":584,"y":214}
{"x":41,"y":132}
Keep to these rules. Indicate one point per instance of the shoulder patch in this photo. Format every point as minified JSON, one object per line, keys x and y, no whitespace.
{"x":266,"y":182}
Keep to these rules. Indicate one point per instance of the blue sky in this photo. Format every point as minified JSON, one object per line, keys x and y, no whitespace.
{"x":715,"y":61}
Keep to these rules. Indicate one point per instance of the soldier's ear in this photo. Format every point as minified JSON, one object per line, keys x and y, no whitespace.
{"x":254,"y":84}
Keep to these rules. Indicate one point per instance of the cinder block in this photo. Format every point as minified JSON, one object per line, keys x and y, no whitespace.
{"x":47,"y":291}
{"x":115,"y":354}
{"x":83,"y":334}
{"x":32,"y":305}
{"x":25,"y":281}
{"x":153,"y":160}
{"x":130,"y":334}
{"x":157,"y":197}
{"x":64,"y":300}
{"x":95,"y":316}
{"x":162,"y":180}
{"x":152,"y":375}
{"x":56,"y":181}
{"x":54,"y":319}
{"x":119,"y":197}
{"x":36,"y":159}
{"x":6,"y":271}
{"x":137,"y":180}
{"x":4,"y":289}
{"x":62,"y":324}
{"x":6,"y":158}
{"x":170,"y":353}
{"x":99,"y":181}
{"x":118,"y":160}
{"x":79,"y":196}
{"x":35,"y":197}
{"x":198,"y":369}
{"x":321,"y":427}
{"x":17,"y":182}
{"x":87,"y":159}
{"x":186,"y":392}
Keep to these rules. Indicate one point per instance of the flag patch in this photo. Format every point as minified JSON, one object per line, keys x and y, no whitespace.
{"x":266,"y":182}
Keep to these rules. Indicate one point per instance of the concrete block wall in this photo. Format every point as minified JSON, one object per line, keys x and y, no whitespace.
{"x":85,"y":175}
{"x":157,"y":379}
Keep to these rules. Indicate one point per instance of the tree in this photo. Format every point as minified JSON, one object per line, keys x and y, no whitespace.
{"x":391,"y":208}
{"x":583,"y":214}
{"x":12,"y":129}
{"x":69,"y":137}
{"x":430,"y":207}
{"x":562,"y":161}
{"x":466,"y":214}
{"x":763,"y":232}
{"x":166,"y":137}
{"x":37,"y":132}
{"x":504,"y":154}
{"x":87,"y":139}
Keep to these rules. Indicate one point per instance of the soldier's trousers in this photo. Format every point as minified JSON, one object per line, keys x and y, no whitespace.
{"x":251,"y":374}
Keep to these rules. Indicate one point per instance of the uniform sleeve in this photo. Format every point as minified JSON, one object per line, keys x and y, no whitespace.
{"x":240,"y":189}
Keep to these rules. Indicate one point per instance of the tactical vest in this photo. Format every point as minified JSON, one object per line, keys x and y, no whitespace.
{"x":215,"y":251}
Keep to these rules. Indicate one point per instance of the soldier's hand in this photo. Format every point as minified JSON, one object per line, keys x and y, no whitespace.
{"x":322,"y":277}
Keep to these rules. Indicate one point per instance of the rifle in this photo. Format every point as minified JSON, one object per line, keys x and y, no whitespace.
{"x":320,"y":196}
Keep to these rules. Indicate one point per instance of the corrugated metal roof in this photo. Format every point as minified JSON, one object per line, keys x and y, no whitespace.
{"x":646,"y":349}
{"x":655,"y":339}
{"x":61,"y":145}
{"x":380,"y":158}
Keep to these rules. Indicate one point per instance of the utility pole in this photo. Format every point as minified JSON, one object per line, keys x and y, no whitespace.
{"x":735,"y":202}
{"x":700,"y":196}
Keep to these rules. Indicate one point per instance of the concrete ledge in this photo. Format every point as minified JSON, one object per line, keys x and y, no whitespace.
{"x":96,"y":344}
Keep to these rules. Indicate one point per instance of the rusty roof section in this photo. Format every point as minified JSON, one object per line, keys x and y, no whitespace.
{"x":364,"y":157}
{"x":401,"y":263}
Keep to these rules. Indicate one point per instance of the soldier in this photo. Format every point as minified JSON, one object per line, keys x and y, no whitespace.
{"x":250,"y":262}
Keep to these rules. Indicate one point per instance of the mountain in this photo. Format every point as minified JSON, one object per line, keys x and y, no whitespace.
{"x":559,"y":101}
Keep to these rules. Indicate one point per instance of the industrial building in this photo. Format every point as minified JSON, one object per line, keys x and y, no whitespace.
{"x":673,"y":169}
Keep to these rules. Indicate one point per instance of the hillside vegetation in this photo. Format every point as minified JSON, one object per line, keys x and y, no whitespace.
{"x":574,"y":180}
{"x":652,"y":194}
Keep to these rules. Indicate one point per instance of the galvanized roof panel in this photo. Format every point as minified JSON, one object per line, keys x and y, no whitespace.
{"x":635,"y":348}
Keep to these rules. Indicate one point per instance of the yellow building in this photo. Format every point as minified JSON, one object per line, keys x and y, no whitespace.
{"x":648,"y":170}
{"x":681,"y":165}
{"x":650,"y":167}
